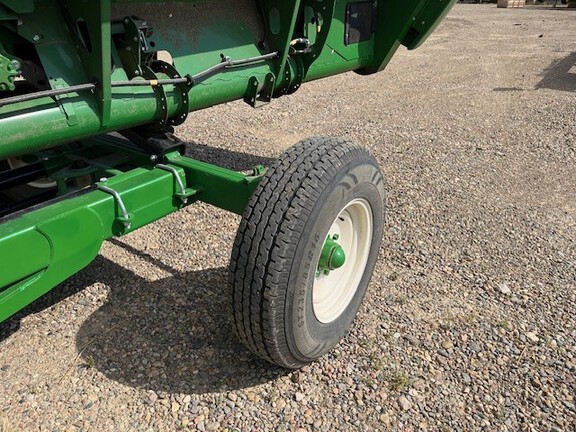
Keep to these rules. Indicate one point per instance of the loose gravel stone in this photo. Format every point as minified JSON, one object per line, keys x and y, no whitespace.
{"x":405,"y":404}
{"x":504,"y":288}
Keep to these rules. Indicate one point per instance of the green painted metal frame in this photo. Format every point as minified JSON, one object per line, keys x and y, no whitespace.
{"x":197,"y":34}
{"x":43,"y":247}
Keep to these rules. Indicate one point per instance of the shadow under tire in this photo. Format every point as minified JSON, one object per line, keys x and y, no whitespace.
{"x":287,"y":306}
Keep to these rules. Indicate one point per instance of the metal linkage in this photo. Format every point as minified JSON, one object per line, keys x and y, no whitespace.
{"x":125,"y":219}
{"x":153,"y":82}
{"x":182,"y":195}
{"x":228,"y":63}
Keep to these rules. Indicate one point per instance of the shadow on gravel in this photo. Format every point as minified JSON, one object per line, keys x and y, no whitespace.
{"x":225,"y":158}
{"x":170,"y":335}
{"x":561,"y":75}
{"x":59,"y":293}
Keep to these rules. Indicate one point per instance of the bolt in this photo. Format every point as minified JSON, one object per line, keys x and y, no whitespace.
{"x":36,"y":38}
{"x":16,"y":64}
{"x":153,"y":158}
{"x":335,"y":237}
{"x":19,"y":22}
{"x":103,"y":179}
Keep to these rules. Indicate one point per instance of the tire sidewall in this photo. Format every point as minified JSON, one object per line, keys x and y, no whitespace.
{"x":309,"y":338}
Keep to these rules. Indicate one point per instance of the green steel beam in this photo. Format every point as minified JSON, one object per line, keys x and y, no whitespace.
{"x":281,"y":17}
{"x":223,"y":188}
{"x":95,"y":54}
{"x":43,"y":247}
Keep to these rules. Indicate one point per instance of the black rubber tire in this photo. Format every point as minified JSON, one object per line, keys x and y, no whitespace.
{"x":278,"y":244}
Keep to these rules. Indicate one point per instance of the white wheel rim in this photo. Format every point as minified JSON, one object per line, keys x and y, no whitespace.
{"x":332,"y":293}
{"x":41,"y":183}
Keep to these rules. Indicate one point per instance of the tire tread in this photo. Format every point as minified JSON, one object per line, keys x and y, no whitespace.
{"x":261,"y":253}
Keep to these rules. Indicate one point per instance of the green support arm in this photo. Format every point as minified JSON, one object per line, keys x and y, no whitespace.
{"x":43,"y":247}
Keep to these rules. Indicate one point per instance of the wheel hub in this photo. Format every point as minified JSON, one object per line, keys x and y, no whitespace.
{"x":333,"y":256}
{"x":342,"y":261}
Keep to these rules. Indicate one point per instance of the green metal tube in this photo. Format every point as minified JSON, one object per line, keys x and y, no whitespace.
{"x":42,"y":124}
{"x":43,"y":128}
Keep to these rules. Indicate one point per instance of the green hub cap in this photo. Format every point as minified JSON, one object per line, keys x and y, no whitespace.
{"x":332,"y":257}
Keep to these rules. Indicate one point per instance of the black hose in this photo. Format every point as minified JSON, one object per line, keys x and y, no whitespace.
{"x":228,"y":63}
{"x":160,"y":82}
{"x":47,"y":93}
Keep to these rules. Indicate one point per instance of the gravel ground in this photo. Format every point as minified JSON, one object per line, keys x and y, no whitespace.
{"x":469,"y":324}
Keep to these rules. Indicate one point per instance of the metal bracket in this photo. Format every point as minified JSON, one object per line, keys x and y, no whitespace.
{"x":159,"y":66}
{"x":8,"y":72}
{"x":260,"y":94}
{"x":183,"y":195}
{"x":161,"y":117}
{"x":125,"y":218}
{"x":133,"y":44}
{"x":293,"y":75}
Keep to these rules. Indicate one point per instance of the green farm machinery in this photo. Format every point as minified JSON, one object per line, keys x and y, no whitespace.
{"x":91,"y":93}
